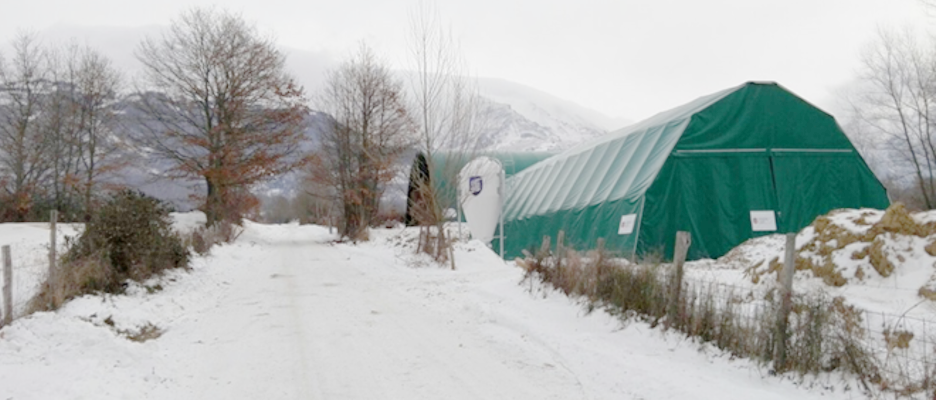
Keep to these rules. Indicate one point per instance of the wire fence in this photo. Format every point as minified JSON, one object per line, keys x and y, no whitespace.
{"x":808,"y":332}
{"x":31,"y":260}
{"x":901,"y":347}
{"x":29,"y":269}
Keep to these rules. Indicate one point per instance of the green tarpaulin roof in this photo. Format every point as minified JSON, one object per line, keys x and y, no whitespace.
{"x":700,"y":167}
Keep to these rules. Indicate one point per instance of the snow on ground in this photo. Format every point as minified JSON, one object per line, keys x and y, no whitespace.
{"x":187,"y":222}
{"x":896,"y":293}
{"x":29,"y":250}
{"x":880,"y":262}
{"x":29,"y":255}
{"x":286,"y":313}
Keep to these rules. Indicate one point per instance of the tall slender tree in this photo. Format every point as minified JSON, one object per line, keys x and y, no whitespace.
{"x":79,"y":121}
{"x":446,"y":109}
{"x":370,"y":130}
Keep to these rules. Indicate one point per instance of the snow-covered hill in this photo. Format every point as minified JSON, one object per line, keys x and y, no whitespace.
{"x":521,"y":118}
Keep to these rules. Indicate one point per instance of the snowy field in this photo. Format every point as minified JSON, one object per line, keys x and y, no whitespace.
{"x":29,"y":251}
{"x":285,"y":314}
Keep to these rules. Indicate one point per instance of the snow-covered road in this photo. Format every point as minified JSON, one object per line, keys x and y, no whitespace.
{"x":284,"y":314}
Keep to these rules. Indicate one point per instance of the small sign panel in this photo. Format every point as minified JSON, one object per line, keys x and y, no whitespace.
{"x":763,"y":221}
{"x":475,"y":185}
{"x":626,"y":226}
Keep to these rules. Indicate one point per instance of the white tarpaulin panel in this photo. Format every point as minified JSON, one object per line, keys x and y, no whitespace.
{"x":480,"y":195}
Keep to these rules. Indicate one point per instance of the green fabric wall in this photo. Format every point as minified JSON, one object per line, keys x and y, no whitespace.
{"x":701,"y":167}
{"x":582,"y":228}
{"x":709,"y":195}
{"x":758,"y":148}
{"x":814,"y":183}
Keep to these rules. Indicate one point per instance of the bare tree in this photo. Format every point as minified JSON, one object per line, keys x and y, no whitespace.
{"x":23,"y":162}
{"x":79,"y":122}
{"x":224,"y":109}
{"x":370,"y":130}
{"x":61,"y":124}
{"x":896,"y":105}
{"x":446,"y":109}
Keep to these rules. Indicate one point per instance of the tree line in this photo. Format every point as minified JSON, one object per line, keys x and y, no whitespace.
{"x":57,"y":118}
{"x":215,"y":102}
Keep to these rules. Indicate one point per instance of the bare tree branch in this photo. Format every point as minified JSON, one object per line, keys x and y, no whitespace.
{"x":370,"y":129}
{"x":897,"y":103}
{"x":220,"y":107}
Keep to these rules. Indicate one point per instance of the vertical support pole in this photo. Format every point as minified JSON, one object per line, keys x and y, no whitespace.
{"x":637,"y":231}
{"x":560,"y":236}
{"x":787,"y":283}
{"x":504,"y":195}
{"x":680,"y":249}
{"x":53,"y":273}
{"x":7,"y":286}
{"x":458,"y":206}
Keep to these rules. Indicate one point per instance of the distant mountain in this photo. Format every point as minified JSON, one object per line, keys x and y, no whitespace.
{"x":520,"y":118}
{"x":568,"y":121}
{"x":517,"y":117}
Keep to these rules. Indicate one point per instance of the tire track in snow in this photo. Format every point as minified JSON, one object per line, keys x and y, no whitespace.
{"x":370,"y":338}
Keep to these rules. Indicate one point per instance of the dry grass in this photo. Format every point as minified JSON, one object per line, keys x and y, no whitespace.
{"x":203,"y":238}
{"x":147,"y":332}
{"x":823,"y":335}
{"x":817,"y":255}
{"x":898,"y":220}
{"x":74,"y":279}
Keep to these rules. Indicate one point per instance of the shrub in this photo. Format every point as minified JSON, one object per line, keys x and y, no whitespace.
{"x":129,"y":237}
{"x":202,"y":239}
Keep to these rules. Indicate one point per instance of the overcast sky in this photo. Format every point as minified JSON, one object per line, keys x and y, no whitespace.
{"x":624,"y":58}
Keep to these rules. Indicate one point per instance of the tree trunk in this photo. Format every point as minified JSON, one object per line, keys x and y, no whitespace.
{"x":212,"y":209}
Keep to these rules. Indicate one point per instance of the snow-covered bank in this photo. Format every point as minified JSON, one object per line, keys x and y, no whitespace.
{"x":283,"y":313}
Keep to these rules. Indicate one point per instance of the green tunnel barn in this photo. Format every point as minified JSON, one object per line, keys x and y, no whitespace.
{"x":708,"y":167}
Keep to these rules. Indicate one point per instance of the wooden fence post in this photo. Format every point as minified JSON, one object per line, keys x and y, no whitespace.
{"x":7,"y":286}
{"x":545,"y":246}
{"x":560,"y":236}
{"x":680,"y":249}
{"x":53,"y":274}
{"x":787,"y":283}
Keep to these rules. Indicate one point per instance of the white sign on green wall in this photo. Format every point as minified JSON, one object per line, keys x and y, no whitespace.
{"x":763,"y":221}
{"x":626,"y":225}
